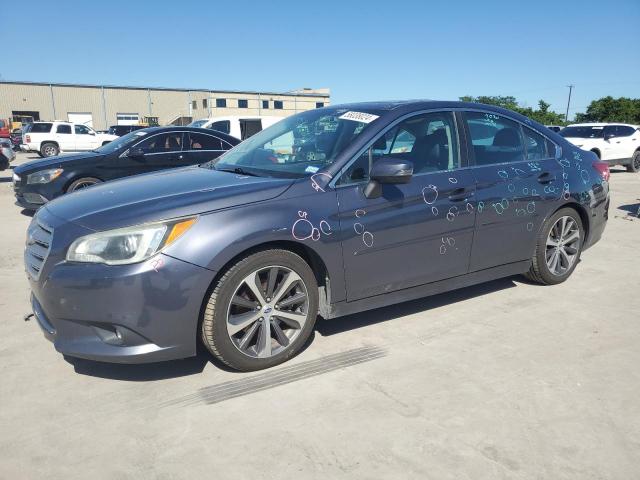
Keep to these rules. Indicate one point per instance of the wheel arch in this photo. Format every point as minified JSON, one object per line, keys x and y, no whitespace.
{"x":309,"y":255}
{"x":584,"y":217}
{"x":596,"y":150}
{"x":75,"y":177}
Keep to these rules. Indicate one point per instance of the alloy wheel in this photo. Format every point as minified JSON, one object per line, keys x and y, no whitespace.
{"x":267,"y":312}
{"x":563,"y":245}
{"x":83,"y":184}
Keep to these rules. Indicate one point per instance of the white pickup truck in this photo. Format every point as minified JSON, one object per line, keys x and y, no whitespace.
{"x":614,"y":143}
{"x":50,"y":138}
{"x":241,"y":127}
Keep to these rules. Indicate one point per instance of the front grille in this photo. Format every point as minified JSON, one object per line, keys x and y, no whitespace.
{"x":37,"y":250}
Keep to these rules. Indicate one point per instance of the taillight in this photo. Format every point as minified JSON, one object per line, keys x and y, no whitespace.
{"x":603,"y":169}
{"x":28,"y":139}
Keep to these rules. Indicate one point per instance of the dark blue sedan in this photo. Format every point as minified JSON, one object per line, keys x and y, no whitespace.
{"x":385,"y":203}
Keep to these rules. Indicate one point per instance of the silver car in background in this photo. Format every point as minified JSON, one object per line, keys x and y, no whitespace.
{"x":7,"y":155}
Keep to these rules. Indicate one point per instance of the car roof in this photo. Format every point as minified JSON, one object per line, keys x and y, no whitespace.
{"x":174,"y":128}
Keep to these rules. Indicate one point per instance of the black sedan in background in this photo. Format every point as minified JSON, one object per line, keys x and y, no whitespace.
{"x":142,"y":151}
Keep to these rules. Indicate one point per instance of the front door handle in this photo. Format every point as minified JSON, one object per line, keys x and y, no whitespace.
{"x":460,"y":194}
{"x":546,"y":177}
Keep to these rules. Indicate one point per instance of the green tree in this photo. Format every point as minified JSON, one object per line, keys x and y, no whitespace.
{"x":542,"y":114}
{"x":609,"y":109}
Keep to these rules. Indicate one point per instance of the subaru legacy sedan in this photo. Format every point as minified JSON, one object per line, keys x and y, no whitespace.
{"x":401,"y":200}
{"x":141,"y":151}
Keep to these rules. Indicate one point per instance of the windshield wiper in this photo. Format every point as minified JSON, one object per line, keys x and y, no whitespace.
{"x":237,"y":170}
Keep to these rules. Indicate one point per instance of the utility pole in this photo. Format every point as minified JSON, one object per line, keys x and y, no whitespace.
{"x":566,"y":117}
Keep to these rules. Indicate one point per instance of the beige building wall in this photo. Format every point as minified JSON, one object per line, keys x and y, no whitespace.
{"x":56,"y":101}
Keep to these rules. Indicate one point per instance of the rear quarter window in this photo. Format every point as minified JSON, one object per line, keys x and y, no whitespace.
{"x":40,"y":127}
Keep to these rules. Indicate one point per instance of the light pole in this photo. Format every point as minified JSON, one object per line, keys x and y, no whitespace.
{"x":566,"y":116}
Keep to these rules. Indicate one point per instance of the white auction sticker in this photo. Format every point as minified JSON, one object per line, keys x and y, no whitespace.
{"x":359,"y":117}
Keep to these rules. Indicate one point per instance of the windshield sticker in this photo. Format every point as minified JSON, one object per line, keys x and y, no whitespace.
{"x":311,"y":169}
{"x":597,"y":128}
{"x":359,"y":117}
{"x":140,"y":134}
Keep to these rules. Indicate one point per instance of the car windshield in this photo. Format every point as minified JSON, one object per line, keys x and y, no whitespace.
{"x":197,"y":123}
{"x":121,"y":143}
{"x":582,"y":132}
{"x":297,"y":146}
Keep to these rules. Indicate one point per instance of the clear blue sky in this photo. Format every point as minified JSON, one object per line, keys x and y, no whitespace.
{"x":362,"y":50}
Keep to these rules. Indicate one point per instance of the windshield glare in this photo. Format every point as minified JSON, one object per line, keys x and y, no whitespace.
{"x":297,"y":146}
{"x":121,"y":142}
{"x":582,"y":132}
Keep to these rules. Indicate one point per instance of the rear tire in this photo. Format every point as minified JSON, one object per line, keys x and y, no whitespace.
{"x":240,"y":324}
{"x":49,"y":149}
{"x":558,"y":248}
{"x":634,"y":166}
{"x":597,"y":152}
{"x":81,"y":183}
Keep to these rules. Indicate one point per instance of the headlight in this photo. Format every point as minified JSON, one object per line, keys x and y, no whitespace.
{"x":44,"y":176}
{"x":127,"y":245}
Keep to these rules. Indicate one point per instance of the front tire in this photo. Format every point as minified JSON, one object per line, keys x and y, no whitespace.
{"x":81,"y":183}
{"x":262,"y":311}
{"x":49,"y":150}
{"x":558,"y":248}
{"x":634,"y":166}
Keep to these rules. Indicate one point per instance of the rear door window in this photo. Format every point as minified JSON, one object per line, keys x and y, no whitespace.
{"x":495,"y":139}
{"x":64,"y":129}
{"x":200,"y":141}
{"x":535,"y":144}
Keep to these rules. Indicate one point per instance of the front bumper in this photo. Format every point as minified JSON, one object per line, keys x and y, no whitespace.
{"x":32,"y":197}
{"x":137,"y":313}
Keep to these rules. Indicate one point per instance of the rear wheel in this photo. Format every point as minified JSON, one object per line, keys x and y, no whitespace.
{"x":49,"y":149}
{"x":262,"y":310}
{"x":634,"y":166}
{"x":558,"y":248}
{"x":81,"y":183}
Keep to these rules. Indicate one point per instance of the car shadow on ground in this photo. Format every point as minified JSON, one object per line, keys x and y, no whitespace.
{"x":393,"y":312}
{"x":194,"y":365}
{"x":631,"y":209}
{"x":147,"y":372}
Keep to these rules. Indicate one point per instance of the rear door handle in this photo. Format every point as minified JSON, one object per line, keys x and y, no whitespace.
{"x":460,"y":194}
{"x":546,"y":177}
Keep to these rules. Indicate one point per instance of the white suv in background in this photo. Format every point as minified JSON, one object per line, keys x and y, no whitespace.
{"x":239,"y":127}
{"x":50,"y":138}
{"x":614,"y":143}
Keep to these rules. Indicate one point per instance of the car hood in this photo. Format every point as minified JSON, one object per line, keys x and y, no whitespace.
{"x":162,"y":195}
{"x":54,"y":162}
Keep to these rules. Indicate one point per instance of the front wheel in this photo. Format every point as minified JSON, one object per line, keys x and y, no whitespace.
{"x":634,"y":166}
{"x":262,"y":310}
{"x":558,"y":248}
{"x":81,"y":183}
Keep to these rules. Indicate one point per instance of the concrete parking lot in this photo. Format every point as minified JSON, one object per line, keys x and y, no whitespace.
{"x":502,"y":380}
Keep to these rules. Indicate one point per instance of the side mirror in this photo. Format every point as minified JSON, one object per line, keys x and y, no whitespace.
{"x":92,"y":133}
{"x":136,"y":153}
{"x":390,"y":171}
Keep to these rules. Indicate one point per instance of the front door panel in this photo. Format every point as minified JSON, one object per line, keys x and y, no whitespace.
{"x":413,"y":234}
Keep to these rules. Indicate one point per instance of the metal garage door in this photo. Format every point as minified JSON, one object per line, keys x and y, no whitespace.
{"x":127,"y":118}
{"x":83,"y":118}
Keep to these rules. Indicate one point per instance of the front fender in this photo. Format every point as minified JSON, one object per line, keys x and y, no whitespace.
{"x":308,"y":220}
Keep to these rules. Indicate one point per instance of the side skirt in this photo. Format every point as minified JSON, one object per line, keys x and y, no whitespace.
{"x":346,"y":308}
